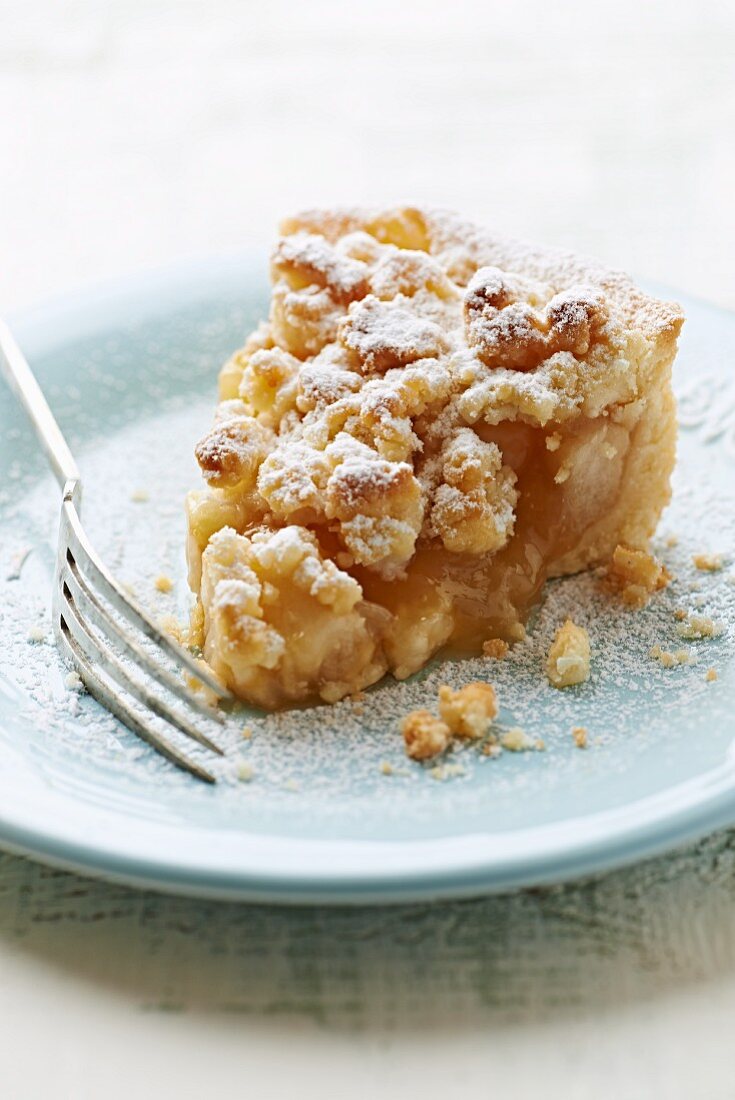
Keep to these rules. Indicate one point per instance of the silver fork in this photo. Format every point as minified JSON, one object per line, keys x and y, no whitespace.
{"x":95,"y":620}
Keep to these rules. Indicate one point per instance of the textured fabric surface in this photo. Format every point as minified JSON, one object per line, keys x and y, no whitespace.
{"x":623,"y":985}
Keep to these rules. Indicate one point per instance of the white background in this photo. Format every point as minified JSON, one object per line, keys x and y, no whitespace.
{"x":134,"y":133}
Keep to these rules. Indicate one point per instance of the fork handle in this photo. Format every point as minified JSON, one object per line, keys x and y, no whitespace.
{"x":22,"y":382}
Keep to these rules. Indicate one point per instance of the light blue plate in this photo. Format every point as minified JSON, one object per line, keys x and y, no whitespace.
{"x":333,"y":811}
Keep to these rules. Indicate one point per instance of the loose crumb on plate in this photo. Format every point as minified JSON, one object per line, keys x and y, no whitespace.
{"x":579,"y":733}
{"x":424,"y":735}
{"x":517,"y":740}
{"x":246,"y":732}
{"x":708,"y":563}
{"x":73,"y":682}
{"x":37,"y":633}
{"x":469,"y":711}
{"x":710,"y":675}
{"x":668,"y":659}
{"x":140,"y":496}
{"x":568,"y":660}
{"x":698,"y":627}
{"x":16,"y":564}
{"x":636,"y":575}
{"x":163,"y":583}
{"x":495,"y":648}
{"x":245,"y":771}
{"x":443,"y":772}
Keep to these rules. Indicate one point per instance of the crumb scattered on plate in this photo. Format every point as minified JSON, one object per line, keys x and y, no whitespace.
{"x":668,"y":659}
{"x":708,"y":563}
{"x":568,"y":660}
{"x":579,"y":733}
{"x":73,"y":681}
{"x":517,"y":740}
{"x":698,"y":627}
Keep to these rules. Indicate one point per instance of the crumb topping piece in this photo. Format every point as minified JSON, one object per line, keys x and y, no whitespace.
{"x":424,"y":735}
{"x":668,"y":659}
{"x":699,"y":627}
{"x":568,"y":660}
{"x":495,"y":648}
{"x":636,"y":575}
{"x":581,"y":740}
{"x":468,"y":712}
{"x":517,"y":740}
{"x":472,"y":510}
{"x":505,"y":325}
{"x":708,"y":563}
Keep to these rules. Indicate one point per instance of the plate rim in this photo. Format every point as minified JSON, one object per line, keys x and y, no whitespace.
{"x":278,"y":869}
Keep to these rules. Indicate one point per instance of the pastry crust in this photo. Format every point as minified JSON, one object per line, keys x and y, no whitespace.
{"x":441,"y":418}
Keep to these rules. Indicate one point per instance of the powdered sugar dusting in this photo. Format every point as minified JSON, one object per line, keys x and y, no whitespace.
{"x":340,"y":768}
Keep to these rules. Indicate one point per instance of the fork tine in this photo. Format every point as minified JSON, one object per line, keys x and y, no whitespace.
{"x":107,"y":660}
{"x":100,"y":616}
{"x":128,"y":606}
{"x":113,"y":701}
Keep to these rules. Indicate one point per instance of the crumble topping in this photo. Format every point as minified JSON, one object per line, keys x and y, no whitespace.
{"x":568,"y":660}
{"x":371,"y":413}
{"x":711,"y":675}
{"x":73,"y":682}
{"x":636,"y":575}
{"x":668,"y":659}
{"x":708,"y":563}
{"x":517,"y":740}
{"x":505,"y":325}
{"x":424,"y":735}
{"x":698,"y":627}
{"x":163,"y":584}
{"x":443,"y":772}
{"x":581,"y":740}
{"x":495,"y":648}
{"x":472,"y":508}
{"x":468,"y":712}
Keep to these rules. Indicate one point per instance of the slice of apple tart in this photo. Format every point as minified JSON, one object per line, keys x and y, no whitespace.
{"x":432,"y":422}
